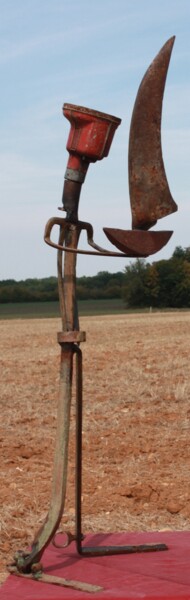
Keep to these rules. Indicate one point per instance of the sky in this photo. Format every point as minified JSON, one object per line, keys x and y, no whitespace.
{"x":92,"y":54}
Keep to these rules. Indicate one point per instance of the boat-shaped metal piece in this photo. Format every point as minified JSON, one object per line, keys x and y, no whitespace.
{"x":138,"y":243}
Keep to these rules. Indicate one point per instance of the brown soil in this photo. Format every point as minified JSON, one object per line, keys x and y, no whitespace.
{"x":136,"y":426}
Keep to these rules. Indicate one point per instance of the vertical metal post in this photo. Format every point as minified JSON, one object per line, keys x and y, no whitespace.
{"x":78,"y":475}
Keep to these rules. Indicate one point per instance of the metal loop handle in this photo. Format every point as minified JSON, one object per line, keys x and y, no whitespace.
{"x":69,"y":537}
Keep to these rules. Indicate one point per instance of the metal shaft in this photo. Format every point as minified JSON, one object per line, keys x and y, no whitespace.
{"x":70,"y":327}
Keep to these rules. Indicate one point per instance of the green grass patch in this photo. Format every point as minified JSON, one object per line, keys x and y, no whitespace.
{"x":39,"y":310}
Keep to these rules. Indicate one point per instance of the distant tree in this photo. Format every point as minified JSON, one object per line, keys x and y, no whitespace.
{"x":166,"y":280}
{"x":134,"y":291}
{"x":181,"y":286}
{"x":152,"y":285}
{"x":165,"y":283}
{"x":182,"y":253}
{"x":179,"y":253}
{"x":102,"y":285}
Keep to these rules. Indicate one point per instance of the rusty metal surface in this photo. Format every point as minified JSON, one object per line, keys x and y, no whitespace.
{"x":71,"y":336}
{"x":136,"y":242}
{"x":91,"y":133}
{"x":90,"y":137}
{"x":150,"y":195}
{"x":51,"y":523}
{"x":67,"y":286}
{"x":52,"y":579}
{"x":70,"y":199}
{"x":131,"y":243}
{"x":79,"y":225}
{"x":115,"y":550}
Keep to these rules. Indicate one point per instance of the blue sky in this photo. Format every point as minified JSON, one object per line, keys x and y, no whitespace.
{"x":93,"y":54}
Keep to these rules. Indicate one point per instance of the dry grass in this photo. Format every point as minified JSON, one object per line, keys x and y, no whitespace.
{"x":136,"y":422}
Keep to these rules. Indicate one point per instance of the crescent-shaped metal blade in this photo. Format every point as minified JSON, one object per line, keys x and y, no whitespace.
{"x":150,"y":195}
{"x":138,"y":243}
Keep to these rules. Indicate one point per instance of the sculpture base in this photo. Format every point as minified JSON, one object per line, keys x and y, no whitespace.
{"x":152,"y":576}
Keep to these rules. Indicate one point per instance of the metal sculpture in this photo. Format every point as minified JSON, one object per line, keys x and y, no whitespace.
{"x":90,"y":138}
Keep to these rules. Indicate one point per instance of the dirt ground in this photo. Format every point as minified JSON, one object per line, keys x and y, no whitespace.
{"x":136,"y":467}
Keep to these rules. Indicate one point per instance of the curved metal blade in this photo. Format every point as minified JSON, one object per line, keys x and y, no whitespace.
{"x":138,"y":243}
{"x":150,"y":195}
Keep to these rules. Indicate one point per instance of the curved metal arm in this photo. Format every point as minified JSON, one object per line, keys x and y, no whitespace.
{"x":80,"y":225}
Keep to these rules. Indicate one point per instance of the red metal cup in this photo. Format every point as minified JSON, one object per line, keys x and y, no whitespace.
{"x":89,"y":140}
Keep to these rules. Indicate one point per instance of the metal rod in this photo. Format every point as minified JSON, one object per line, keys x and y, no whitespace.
{"x":78,"y":484}
{"x":94,"y":550}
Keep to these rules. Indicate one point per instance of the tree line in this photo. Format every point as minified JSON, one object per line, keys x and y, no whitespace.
{"x":103,"y":285}
{"x":161,"y":284}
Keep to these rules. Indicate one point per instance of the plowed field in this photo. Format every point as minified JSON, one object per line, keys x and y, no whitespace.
{"x":136,"y":471}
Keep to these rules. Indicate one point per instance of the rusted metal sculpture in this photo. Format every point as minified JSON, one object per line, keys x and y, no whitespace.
{"x":90,"y":138}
